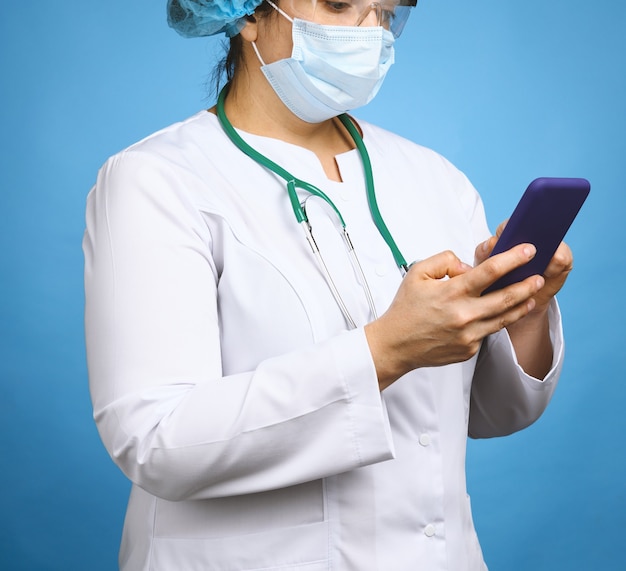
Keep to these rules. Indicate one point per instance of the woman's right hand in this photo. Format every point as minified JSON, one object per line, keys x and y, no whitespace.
{"x":438,"y":315}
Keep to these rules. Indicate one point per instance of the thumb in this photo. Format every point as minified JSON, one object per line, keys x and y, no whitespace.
{"x":444,"y":264}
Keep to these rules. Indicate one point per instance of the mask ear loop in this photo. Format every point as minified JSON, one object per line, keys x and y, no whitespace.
{"x":280,"y":11}
{"x":258,"y":54}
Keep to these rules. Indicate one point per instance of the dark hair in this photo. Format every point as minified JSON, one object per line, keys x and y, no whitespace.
{"x":227,"y":67}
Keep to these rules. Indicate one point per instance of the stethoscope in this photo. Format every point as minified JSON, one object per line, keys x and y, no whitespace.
{"x":299,"y":207}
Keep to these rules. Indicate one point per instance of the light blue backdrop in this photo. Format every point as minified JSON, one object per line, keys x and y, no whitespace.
{"x":506,"y":90}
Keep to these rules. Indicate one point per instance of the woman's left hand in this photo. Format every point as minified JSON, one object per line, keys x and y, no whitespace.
{"x":555,"y":274}
{"x":530,"y":335}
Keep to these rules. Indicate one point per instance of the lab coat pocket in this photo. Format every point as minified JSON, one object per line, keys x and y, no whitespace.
{"x":280,"y":529}
{"x":302,"y":548}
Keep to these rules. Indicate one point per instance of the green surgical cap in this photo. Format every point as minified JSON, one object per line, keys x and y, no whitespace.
{"x":195,"y":18}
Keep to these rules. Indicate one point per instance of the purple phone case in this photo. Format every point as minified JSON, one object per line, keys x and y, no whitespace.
{"x":542,"y":217}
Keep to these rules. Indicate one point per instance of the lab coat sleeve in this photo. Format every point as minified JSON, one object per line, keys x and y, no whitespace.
{"x":168,"y":417}
{"x":504,"y":399}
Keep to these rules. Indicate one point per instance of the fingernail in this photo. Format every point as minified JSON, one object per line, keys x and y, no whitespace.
{"x":484,"y":246}
{"x":540,"y":282}
{"x":530,"y":250}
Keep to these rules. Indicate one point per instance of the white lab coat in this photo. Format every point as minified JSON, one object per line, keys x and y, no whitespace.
{"x":226,"y":386}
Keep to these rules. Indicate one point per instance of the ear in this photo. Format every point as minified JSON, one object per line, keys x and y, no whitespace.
{"x":250,"y":30}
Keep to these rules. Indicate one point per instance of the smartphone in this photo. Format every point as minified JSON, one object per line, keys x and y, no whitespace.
{"x":542,"y":218}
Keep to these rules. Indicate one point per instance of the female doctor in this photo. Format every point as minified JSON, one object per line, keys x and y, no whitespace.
{"x":283,"y":397}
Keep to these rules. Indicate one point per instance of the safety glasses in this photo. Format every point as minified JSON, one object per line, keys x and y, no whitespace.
{"x":390,"y":14}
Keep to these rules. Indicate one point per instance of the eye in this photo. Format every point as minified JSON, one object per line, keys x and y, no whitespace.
{"x":338,"y":7}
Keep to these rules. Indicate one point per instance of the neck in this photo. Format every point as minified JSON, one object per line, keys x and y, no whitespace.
{"x":252,"y":106}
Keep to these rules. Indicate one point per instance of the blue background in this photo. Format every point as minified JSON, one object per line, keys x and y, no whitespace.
{"x":507,"y":90}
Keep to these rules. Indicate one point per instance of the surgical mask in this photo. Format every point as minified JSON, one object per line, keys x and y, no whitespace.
{"x":332,"y":69}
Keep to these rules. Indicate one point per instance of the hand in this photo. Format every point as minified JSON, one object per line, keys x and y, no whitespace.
{"x":434,"y":321}
{"x":555,"y":274}
{"x":531,"y":336}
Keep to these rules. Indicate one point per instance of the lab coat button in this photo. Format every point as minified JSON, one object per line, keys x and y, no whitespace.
{"x":344,"y":195}
{"x":429,"y":530}
{"x":424,"y":439}
{"x":381,"y":271}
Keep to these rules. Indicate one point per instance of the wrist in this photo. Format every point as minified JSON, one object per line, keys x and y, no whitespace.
{"x":536,"y":318}
{"x":387,"y":365}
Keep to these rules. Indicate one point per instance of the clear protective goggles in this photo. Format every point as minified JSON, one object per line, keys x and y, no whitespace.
{"x":390,"y":14}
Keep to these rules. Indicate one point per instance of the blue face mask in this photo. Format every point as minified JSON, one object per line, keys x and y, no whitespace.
{"x":332,"y":69}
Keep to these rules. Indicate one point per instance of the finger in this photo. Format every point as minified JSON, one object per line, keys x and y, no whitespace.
{"x":556,"y":274}
{"x":499,"y":303}
{"x":501,"y":227}
{"x":561,"y":263}
{"x":484,"y":249}
{"x":493,"y":268}
{"x":444,"y":264}
{"x":503,"y":319}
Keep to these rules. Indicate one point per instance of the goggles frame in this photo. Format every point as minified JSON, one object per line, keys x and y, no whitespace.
{"x":390,"y":14}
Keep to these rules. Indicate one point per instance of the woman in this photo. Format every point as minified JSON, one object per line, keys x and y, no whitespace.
{"x":273,"y":412}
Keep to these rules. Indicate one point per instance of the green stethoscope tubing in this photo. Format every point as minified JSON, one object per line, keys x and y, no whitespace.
{"x":293,"y":182}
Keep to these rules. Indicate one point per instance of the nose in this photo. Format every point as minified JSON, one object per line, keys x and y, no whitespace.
{"x":371,"y":16}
